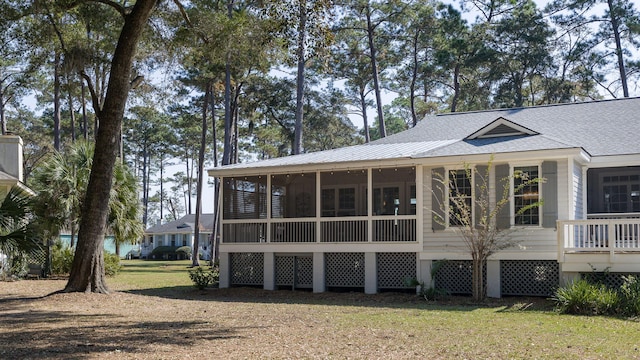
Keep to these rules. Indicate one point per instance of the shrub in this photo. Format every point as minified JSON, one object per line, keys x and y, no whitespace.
{"x":202,"y":278}
{"x":111,"y":264}
{"x":630,"y":296}
{"x":584,"y":298}
{"x":61,"y":259}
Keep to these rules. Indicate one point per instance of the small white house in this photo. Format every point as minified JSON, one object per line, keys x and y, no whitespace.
{"x":363,"y":216}
{"x":176,"y":234}
{"x":11,"y":164}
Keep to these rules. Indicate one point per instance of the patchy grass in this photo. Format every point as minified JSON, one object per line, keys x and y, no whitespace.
{"x":156,"y":313}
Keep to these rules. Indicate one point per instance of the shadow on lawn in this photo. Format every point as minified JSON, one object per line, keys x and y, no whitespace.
{"x":381,"y":300}
{"x":34,"y":333}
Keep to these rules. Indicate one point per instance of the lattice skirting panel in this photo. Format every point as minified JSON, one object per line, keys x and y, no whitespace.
{"x":344,"y":269}
{"x":294,"y":271}
{"x":247,"y":268}
{"x":394,"y":269}
{"x":611,"y":280}
{"x":455,"y":276}
{"x":529,"y":277}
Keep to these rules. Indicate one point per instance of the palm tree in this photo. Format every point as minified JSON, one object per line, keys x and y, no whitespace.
{"x":61,"y":183}
{"x":124,"y":208}
{"x":18,"y":236}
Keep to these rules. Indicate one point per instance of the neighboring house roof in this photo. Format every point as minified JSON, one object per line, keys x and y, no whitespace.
{"x":183,"y":225}
{"x":9,"y":180}
{"x":6,"y":178}
{"x":601,"y":128}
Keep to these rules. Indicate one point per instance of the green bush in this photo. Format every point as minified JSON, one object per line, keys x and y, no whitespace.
{"x":630,"y":296}
{"x":202,"y":278}
{"x":584,"y":298}
{"x":111,"y":264}
{"x":61,"y":260}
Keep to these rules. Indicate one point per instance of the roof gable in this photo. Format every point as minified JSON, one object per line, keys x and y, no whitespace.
{"x":500,"y":127}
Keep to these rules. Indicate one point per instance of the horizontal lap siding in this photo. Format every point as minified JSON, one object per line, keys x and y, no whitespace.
{"x":528,"y":240}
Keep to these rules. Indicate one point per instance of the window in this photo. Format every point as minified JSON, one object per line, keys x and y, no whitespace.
{"x":184,"y":239}
{"x":150,"y":240}
{"x":526,"y":195}
{"x":460,"y":197}
{"x":173,"y":239}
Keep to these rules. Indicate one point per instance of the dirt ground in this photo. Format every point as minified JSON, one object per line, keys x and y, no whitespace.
{"x":186,"y":323}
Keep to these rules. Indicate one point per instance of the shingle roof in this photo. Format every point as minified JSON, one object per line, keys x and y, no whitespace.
{"x":601,"y":128}
{"x":607,"y":127}
{"x":184,"y":224}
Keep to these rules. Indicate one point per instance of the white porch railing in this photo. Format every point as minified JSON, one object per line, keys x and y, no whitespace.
{"x":601,"y":235}
{"x":305,"y":230}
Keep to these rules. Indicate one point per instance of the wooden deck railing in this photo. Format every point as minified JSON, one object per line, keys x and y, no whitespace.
{"x":331,"y":230}
{"x":599,"y":235}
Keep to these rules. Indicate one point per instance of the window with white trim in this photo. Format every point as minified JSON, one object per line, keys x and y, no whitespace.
{"x":460,"y":193}
{"x":525,"y":194}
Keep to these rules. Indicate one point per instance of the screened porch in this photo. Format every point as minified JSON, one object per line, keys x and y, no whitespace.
{"x":611,"y":231}
{"x":321,"y":207}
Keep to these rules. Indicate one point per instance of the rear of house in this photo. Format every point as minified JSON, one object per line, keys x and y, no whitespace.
{"x":362,"y":217}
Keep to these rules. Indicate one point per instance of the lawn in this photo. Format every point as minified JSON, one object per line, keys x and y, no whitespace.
{"x":155,"y":313}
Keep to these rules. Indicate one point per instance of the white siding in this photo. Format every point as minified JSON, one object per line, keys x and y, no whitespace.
{"x":528,"y":242}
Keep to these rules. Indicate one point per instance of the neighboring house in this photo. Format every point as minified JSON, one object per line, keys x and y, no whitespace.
{"x":11,"y":169}
{"x":310,"y":221}
{"x":176,"y":234}
{"x":11,"y":164}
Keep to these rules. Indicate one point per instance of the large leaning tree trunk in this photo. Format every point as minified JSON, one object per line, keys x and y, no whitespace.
{"x":87,"y":271}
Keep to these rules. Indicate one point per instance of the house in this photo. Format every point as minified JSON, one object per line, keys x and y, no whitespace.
{"x":310,"y":221}
{"x":11,"y":164}
{"x":168,"y":237}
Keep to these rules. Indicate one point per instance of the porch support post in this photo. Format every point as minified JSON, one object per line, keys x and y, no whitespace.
{"x":318,"y":210}
{"x":318,"y":273}
{"x":369,"y":195}
{"x":269,"y":271}
{"x":370,"y":273}
{"x":493,"y":279}
{"x":424,"y":273}
{"x":225,"y":270}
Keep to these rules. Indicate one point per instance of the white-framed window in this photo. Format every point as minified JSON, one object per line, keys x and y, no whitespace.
{"x":525,"y":195}
{"x":184,"y":239}
{"x":460,"y":192}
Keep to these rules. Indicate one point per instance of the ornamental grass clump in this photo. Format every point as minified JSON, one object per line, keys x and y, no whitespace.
{"x":582,"y":297}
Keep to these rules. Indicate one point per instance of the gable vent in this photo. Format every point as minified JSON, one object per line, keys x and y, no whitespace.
{"x":501,"y":127}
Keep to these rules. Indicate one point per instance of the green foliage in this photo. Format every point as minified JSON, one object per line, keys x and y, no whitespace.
{"x":582,"y":297}
{"x":111,"y":264}
{"x":202,"y":278}
{"x":19,"y":238}
{"x":61,"y":259}
{"x":629,"y":296}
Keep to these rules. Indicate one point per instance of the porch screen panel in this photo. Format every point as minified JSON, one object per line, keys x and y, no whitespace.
{"x":394,"y":191}
{"x":245,"y":198}
{"x":293,"y":195}
{"x":343,"y":193}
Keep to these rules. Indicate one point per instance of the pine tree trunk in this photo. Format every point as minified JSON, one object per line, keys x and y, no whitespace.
{"x":616,"y":35}
{"x":365,"y":120}
{"x":56,"y":102}
{"x":302,"y":28}
{"x":374,"y":72}
{"x":87,"y":270}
